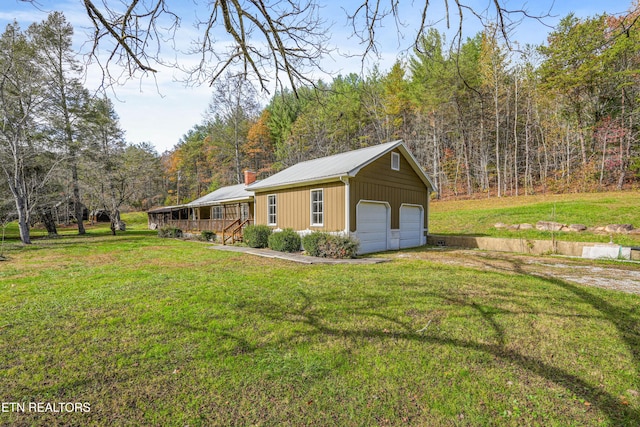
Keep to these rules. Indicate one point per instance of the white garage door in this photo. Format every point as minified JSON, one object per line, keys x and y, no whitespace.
{"x":372,"y":225}
{"x":410,"y":226}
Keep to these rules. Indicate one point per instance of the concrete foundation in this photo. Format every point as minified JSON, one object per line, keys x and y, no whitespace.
{"x":533,"y":247}
{"x":606,"y":251}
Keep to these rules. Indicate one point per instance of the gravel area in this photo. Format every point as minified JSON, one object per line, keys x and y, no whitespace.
{"x":618,"y":275}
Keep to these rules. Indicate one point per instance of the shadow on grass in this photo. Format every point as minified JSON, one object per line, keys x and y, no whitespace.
{"x":622,"y":319}
{"x":317,"y":324}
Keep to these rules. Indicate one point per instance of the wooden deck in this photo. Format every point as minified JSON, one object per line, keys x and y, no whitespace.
{"x":229,"y":231}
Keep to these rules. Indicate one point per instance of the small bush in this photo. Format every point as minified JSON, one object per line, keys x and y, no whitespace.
{"x":286,"y":240}
{"x":314,"y":243}
{"x":208,"y":236}
{"x":329,"y":245}
{"x":340,"y":247}
{"x":170,"y":232}
{"x":256,"y":236}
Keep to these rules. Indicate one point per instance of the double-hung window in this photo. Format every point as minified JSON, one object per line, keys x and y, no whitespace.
{"x":317,"y":207}
{"x":217,"y":212}
{"x":271,"y":210}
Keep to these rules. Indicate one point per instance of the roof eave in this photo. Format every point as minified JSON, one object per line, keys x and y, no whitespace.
{"x":286,"y":185}
{"x":247,"y":198}
{"x":354,"y":171}
{"x":416,"y":168}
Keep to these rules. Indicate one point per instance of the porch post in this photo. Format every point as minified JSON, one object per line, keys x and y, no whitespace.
{"x":224,"y":223}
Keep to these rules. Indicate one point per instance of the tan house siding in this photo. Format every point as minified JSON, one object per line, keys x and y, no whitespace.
{"x":294,"y":207}
{"x":377,"y":181}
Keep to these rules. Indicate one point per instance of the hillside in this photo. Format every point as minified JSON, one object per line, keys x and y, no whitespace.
{"x":479,"y":217}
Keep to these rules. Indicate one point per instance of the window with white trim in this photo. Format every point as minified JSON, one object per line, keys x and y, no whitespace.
{"x":217,"y":212}
{"x":317,"y":207}
{"x":395,"y":161}
{"x":271,"y":210}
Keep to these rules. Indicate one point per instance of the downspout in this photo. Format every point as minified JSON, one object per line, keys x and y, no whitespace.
{"x":427,"y":216}
{"x":347,"y":205}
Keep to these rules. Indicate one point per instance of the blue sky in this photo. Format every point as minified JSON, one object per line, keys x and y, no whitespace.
{"x":161,"y":110}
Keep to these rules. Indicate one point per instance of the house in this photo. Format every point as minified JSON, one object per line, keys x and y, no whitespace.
{"x":226,"y":211}
{"x":378,"y":195}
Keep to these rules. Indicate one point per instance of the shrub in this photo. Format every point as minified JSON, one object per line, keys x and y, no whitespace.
{"x":286,"y":240}
{"x":208,"y":236}
{"x":256,"y":236}
{"x":314,"y":243}
{"x":340,"y":247}
{"x":169,"y":232}
{"x":329,"y":245}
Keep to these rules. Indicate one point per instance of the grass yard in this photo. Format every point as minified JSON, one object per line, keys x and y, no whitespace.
{"x":162,"y":332}
{"x":478,"y":217}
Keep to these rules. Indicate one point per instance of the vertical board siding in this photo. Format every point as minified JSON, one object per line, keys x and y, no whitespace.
{"x":293,"y":207}
{"x":377,"y":181}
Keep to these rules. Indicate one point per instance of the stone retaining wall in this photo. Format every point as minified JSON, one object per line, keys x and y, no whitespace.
{"x":526,"y":246}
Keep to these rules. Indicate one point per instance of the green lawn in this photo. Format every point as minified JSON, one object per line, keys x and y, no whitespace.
{"x":153,"y":331}
{"x":478,"y":217}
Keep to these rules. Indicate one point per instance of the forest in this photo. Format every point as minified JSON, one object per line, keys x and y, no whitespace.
{"x":63,"y":154}
{"x":483,"y":118}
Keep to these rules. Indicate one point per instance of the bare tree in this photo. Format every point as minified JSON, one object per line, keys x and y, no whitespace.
{"x":24,"y":161}
{"x":276,"y":43}
{"x":116,"y":174}
{"x":232,"y":110}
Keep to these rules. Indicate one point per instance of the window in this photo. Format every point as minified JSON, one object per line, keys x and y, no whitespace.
{"x":395,"y":161}
{"x":271,"y":210}
{"x":217,"y":212}
{"x":317,"y":207}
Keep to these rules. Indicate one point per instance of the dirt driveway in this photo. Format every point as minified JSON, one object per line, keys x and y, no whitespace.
{"x":622,"y":276}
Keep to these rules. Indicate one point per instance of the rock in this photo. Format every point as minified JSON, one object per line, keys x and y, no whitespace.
{"x":514,"y":227}
{"x":577,"y":227}
{"x":526,"y":226}
{"x":500,"y":225}
{"x":618,"y":228}
{"x":549,"y":226}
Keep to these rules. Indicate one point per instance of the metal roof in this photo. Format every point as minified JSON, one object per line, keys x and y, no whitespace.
{"x":165,"y":209}
{"x":325,"y":167}
{"x":230,"y":193}
{"x":333,"y":167}
{"x":328,"y":168}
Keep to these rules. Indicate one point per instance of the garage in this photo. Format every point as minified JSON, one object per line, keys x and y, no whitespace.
{"x":411,"y":226}
{"x":372,"y":224}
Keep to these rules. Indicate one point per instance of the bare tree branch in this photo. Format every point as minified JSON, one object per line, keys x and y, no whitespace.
{"x":277,"y":44}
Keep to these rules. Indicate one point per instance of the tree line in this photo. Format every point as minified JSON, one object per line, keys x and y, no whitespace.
{"x":480,"y":118}
{"x":62,"y":151}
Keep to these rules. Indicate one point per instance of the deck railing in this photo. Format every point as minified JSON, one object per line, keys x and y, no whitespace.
{"x":230,"y":230}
